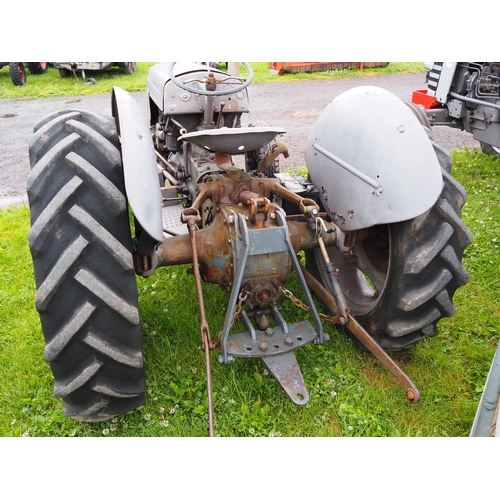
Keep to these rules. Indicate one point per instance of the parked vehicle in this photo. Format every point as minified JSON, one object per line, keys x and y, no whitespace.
{"x":18,"y":71}
{"x":464,"y":95}
{"x":383,"y":244}
{"x":67,"y":69}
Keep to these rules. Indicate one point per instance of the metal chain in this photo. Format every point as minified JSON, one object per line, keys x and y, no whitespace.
{"x":331,"y":319}
{"x":243,"y":295}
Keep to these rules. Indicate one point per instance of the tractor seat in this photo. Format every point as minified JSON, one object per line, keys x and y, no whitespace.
{"x":233,"y":140}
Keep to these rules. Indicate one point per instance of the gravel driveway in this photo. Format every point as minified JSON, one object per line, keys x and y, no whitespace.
{"x":291,"y":105}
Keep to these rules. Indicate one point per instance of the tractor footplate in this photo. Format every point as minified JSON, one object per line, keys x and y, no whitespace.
{"x":172,"y":225}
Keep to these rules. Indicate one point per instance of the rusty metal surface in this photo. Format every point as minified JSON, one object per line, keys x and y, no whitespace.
{"x":412,"y":393}
{"x":192,"y":217}
{"x":285,"y":369}
{"x":281,"y":68}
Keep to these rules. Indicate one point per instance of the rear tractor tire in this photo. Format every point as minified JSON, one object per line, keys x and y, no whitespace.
{"x":64,"y":73}
{"x":400,"y":280}
{"x":17,"y":73}
{"x":81,"y":247}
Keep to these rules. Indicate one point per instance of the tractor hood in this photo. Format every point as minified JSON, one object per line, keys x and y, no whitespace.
{"x":170,"y":99}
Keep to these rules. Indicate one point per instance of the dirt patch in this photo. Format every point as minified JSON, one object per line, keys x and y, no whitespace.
{"x":300,"y":114}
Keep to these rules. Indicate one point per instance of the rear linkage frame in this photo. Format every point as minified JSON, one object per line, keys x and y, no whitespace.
{"x":258,"y":245}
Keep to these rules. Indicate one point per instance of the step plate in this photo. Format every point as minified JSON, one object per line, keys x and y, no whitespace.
{"x":172,"y":224}
{"x":241,"y":344}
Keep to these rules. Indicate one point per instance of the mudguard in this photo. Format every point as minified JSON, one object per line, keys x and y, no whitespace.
{"x":139,"y":163}
{"x":371,"y":160}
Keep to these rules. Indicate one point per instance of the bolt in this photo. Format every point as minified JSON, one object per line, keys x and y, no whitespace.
{"x":289,"y":341}
{"x":269,"y":332}
{"x":263,"y":346}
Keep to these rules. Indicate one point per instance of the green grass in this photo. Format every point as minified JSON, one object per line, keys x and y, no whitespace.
{"x":351,"y":394}
{"x":50,"y":84}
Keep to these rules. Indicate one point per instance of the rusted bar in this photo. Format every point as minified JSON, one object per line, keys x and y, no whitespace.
{"x":292,"y":197}
{"x":412,"y":393}
{"x":192,"y":217}
{"x":213,"y":243}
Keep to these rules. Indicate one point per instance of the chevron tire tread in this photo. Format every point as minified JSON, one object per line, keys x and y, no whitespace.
{"x":82,"y":256}
{"x":423,"y":270}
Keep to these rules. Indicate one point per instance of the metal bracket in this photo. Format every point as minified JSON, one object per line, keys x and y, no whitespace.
{"x":274,"y":346}
{"x":286,"y":371}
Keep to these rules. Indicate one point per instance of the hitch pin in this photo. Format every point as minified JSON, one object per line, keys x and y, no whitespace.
{"x":321,"y":227}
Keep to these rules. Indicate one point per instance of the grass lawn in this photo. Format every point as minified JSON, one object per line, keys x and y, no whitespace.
{"x":351,"y":394}
{"x":50,"y":84}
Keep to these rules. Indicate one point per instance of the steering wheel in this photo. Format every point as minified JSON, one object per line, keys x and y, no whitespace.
{"x":244,"y":85}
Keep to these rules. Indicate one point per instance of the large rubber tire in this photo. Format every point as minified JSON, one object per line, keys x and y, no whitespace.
{"x":37,"y":68}
{"x":413,"y":270}
{"x":81,"y":247}
{"x":64,"y":73}
{"x":128,"y":67}
{"x":17,"y":73}
{"x":488,"y":149}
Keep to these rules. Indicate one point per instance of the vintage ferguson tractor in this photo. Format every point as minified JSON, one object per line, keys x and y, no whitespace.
{"x":378,"y":222}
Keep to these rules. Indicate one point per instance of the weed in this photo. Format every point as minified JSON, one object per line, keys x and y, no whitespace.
{"x":351,"y":394}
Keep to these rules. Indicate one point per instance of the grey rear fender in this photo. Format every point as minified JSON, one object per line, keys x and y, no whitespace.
{"x":371,"y":160}
{"x":139,"y":163}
